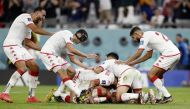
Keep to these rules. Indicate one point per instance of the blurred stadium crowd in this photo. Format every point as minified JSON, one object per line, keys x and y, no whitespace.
{"x":102,"y":13}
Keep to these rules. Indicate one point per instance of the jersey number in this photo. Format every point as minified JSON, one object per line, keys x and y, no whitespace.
{"x":163,"y":36}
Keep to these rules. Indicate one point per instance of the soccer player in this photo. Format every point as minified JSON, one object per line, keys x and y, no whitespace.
{"x":20,"y":31}
{"x":127,"y":77}
{"x":62,"y":42}
{"x":170,"y":55}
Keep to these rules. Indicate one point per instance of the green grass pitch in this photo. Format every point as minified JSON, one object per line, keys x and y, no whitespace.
{"x":19,"y":94}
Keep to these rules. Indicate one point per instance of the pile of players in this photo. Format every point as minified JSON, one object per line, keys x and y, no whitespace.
{"x":109,"y":81}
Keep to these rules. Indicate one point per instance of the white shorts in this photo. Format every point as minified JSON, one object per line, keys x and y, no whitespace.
{"x":106,"y":78}
{"x":83,"y":77}
{"x":167,"y":62}
{"x":17,"y":53}
{"x":131,"y":78}
{"x":53,"y":62}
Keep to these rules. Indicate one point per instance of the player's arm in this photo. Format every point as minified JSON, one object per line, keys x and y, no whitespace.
{"x":135,"y":56}
{"x":31,"y":44}
{"x":73,"y":50}
{"x":38,"y":29}
{"x":77,"y":62}
{"x":147,"y":56}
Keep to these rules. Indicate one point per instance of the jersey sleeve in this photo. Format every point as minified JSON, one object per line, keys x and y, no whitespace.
{"x":67,"y":36}
{"x":27,"y":19}
{"x":143,"y":42}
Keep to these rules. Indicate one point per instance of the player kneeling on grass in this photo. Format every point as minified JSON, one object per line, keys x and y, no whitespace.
{"x":62,"y":42}
{"x":127,"y":77}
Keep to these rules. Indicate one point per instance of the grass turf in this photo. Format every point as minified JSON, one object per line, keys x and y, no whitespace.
{"x":19,"y":94}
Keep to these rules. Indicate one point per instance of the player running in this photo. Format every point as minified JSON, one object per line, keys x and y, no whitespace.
{"x":170,"y":55}
{"x":20,"y":31}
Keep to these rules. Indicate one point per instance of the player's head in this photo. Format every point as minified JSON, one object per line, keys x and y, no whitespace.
{"x":112,"y":55}
{"x":136,"y":33}
{"x":38,"y":14}
{"x":81,"y":35}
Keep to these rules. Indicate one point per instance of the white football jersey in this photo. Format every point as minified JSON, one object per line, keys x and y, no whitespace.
{"x":116,"y":69}
{"x":56,"y":44}
{"x":153,"y":40}
{"x":19,"y":30}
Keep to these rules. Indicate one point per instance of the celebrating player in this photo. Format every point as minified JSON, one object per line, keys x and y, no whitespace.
{"x":20,"y":31}
{"x":127,"y":77}
{"x":170,"y":55}
{"x":62,"y":43}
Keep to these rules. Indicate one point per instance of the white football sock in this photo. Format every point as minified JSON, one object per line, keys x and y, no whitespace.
{"x":100,"y":99}
{"x":72,"y":86}
{"x":33,"y":82}
{"x":14,"y":78}
{"x":129,"y":96}
{"x":158,"y":84}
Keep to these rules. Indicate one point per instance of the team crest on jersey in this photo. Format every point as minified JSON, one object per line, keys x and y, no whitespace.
{"x":141,"y":42}
{"x":103,"y":82}
{"x":29,"y":19}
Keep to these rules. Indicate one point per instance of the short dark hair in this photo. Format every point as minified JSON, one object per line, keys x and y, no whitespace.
{"x":113,"y":55}
{"x":134,"y":29}
{"x":83,"y":35}
{"x":38,"y":9}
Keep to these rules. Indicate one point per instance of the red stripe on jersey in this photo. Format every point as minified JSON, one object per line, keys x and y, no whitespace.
{"x":9,"y":45}
{"x":171,"y":55}
{"x":46,"y":53}
{"x":158,"y":67}
{"x":124,"y":85}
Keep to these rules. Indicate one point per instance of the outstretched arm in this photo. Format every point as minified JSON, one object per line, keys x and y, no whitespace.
{"x":38,"y":29}
{"x":142,"y":59}
{"x":77,"y":62}
{"x":135,"y":56}
{"x":73,"y":50}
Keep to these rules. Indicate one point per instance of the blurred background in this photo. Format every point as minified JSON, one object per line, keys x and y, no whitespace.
{"x":108,"y":23}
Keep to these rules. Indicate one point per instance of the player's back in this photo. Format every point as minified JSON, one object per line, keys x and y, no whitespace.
{"x":159,"y":41}
{"x":117,"y":69}
{"x":56,"y":44}
{"x":19,"y":30}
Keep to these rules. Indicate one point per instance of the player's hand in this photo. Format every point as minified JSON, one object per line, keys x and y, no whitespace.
{"x":92,"y":56}
{"x":120,"y":62}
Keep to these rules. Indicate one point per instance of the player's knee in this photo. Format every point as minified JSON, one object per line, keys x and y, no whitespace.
{"x":21,"y":71}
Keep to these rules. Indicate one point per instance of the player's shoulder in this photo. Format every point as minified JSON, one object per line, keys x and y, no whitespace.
{"x":65,"y":32}
{"x":24,"y":15}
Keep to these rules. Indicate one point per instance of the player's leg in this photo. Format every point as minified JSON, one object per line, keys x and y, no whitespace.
{"x":157,"y":81}
{"x":21,"y":69}
{"x":33,"y":80}
{"x":15,"y":54}
{"x":100,"y":94}
{"x":67,"y":81}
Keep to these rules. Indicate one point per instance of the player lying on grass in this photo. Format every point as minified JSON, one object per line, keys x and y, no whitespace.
{"x":62,"y":42}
